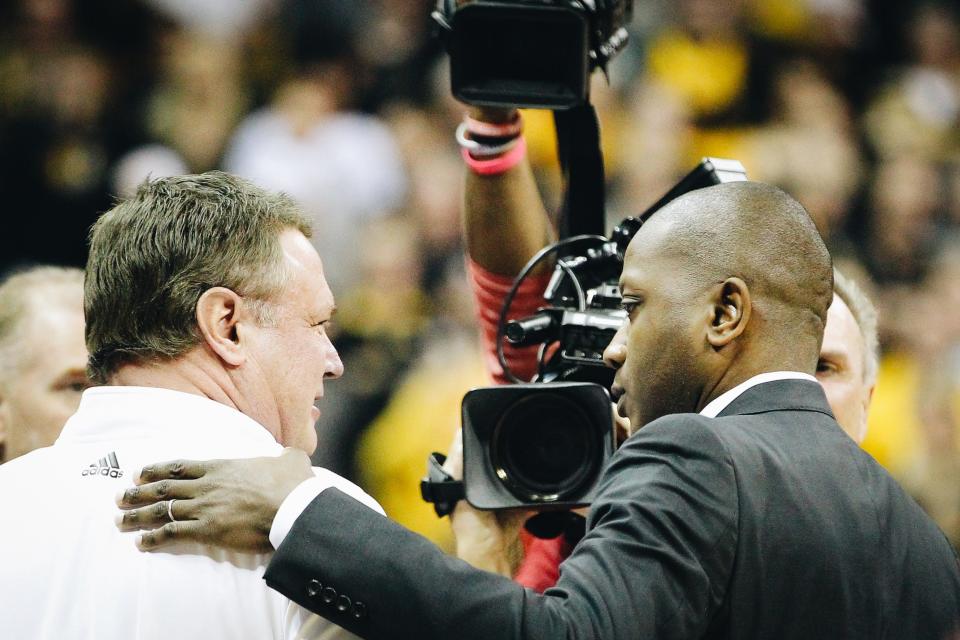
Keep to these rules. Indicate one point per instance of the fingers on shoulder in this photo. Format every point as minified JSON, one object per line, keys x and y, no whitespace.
{"x":147,"y":494}
{"x":176,"y":469}
{"x":170,"y":533}
{"x":157,"y":515}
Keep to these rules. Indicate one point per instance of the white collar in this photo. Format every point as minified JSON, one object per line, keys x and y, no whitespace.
{"x":718,"y":404}
{"x":132,"y":412}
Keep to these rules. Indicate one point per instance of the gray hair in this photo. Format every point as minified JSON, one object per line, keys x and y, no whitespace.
{"x":865,"y":315}
{"x":20,"y":294}
{"x":154,"y":254}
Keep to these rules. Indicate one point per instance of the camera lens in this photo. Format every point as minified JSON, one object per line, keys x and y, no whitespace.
{"x":544,"y":448}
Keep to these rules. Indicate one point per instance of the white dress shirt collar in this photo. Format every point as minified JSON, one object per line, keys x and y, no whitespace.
{"x":721,"y":402}
{"x":121,"y":412}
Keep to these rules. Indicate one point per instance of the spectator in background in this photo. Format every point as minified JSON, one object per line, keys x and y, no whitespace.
{"x":658,"y":128}
{"x":190,"y":113}
{"x":379,"y":326}
{"x":433,"y":209}
{"x":916,"y":431}
{"x":810,"y":149}
{"x":902,"y":233}
{"x":342,"y":167}
{"x":705,"y":34}
{"x":917,"y":110}
{"x":849,"y":356}
{"x":43,"y":357}
{"x":395,"y":45}
{"x":423,"y":410}
{"x":56,"y":137}
{"x":225,"y":20}
{"x":149,"y":161}
{"x":399,"y":313}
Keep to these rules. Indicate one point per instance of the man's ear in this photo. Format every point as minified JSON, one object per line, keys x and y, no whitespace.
{"x":218,"y":312}
{"x":730,"y":312}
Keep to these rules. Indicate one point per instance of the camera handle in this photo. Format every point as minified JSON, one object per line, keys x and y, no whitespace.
{"x":581,"y":161}
{"x":439,"y":488}
{"x":550,"y":524}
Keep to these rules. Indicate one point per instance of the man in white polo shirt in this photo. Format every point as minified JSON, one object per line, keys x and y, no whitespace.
{"x":207,"y":311}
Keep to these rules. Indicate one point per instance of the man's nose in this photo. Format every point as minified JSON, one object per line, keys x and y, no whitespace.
{"x":334,"y":364}
{"x":616,"y":351}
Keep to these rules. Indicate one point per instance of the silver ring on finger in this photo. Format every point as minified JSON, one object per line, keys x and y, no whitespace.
{"x":170,"y":510}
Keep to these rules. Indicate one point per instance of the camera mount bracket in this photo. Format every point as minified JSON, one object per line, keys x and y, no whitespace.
{"x":439,"y":487}
{"x":581,"y":161}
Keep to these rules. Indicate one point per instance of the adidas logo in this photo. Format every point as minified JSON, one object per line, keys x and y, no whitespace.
{"x":106,"y":466}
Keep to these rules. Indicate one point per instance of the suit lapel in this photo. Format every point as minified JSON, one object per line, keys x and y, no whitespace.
{"x":779,"y":395}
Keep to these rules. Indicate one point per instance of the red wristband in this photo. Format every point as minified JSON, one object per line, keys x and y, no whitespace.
{"x":498,"y":165}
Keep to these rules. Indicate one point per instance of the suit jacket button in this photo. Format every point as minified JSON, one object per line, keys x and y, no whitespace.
{"x":328,"y":595}
{"x":359,"y":610}
{"x":343,"y":603}
{"x":313,"y":588}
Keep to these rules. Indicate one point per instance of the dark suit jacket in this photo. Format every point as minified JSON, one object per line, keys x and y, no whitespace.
{"x":765,"y":522}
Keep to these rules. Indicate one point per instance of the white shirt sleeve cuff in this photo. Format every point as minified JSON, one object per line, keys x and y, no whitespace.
{"x":303,"y":494}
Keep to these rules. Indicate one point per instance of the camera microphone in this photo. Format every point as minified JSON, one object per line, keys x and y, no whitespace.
{"x":540,"y":327}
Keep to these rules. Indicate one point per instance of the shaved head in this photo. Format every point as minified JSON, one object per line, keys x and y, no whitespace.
{"x":721,"y":284}
{"x":760,"y":234}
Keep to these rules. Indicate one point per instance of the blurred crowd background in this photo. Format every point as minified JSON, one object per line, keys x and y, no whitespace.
{"x":852,"y":106}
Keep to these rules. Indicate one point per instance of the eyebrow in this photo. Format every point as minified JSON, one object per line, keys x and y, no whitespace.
{"x":634,"y":292}
{"x":72,"y":371}
{"x":68,"y":374}
{"x":836,"y":355}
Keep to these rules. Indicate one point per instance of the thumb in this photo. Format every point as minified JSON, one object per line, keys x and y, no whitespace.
{"x":454,"y":462}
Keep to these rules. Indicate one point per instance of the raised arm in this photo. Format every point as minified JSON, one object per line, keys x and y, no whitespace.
{"x":505,"y":224}
{"x":504,"y":219}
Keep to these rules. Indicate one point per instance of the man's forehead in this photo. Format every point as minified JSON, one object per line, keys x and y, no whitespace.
{"x":640,"y":268}
{"x":655,"y":231}
{"x":53,"y":319}
{"x":842,"y":335}
{"x":648,"y":247}
{"x":317,"y":294}
{"x":307,"y":284}
{"x":840,"y":320}
{"x":299,"y":252}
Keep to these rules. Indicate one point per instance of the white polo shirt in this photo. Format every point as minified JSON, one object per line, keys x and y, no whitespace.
{"x":66,"y":571}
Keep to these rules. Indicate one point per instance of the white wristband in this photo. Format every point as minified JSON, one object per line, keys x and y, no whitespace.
{"x":479,"y":150}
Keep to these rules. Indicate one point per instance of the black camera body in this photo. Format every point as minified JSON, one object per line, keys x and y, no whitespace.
{"x":530,"y":53}
{"x":535,"y":444}
{"x":581,"y":313}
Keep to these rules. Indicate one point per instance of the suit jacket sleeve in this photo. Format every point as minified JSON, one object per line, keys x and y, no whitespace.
{"x":654,"y":564}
